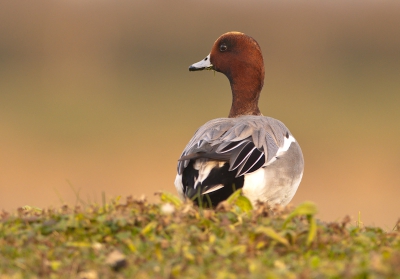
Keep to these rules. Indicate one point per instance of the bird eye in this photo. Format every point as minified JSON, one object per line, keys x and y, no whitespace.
{"x":223,"y":47}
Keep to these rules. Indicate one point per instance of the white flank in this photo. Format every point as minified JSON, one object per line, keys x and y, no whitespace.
{"x":254,"y":185}
{"x":179,"y":186}
{"x":268,"y":185}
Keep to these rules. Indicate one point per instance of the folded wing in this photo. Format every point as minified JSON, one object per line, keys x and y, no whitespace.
{"x":247,"y":142}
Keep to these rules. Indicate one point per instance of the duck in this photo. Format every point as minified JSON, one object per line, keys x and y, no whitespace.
{"x":245,"y":150}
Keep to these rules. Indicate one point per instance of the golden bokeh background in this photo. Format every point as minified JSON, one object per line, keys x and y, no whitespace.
{"x":96,"y":97}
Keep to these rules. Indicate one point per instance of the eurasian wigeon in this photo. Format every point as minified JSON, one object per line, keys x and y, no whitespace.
{"x":247,"y":150}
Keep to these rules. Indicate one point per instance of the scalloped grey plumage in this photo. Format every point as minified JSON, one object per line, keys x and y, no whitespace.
{"x":266,"y":133}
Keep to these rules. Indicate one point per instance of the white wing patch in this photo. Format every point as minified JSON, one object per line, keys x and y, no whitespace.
{"x":286,"y":144}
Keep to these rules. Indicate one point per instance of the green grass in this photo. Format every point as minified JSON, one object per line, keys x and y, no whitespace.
{"x":137,"y":239}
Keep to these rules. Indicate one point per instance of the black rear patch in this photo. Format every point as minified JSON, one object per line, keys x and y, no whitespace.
{"x":217,"y":176}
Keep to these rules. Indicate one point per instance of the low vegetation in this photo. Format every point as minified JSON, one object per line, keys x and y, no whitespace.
{"x":137,"y":239}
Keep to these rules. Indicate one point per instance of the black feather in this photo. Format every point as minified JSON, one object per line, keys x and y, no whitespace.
{"x":255,"y":156}
{"x":217,"y":176}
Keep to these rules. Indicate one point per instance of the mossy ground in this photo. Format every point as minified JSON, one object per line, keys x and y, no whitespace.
{"x":137,"y":239}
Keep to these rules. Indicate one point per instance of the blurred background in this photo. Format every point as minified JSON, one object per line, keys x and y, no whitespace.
{"x":96,"y":96}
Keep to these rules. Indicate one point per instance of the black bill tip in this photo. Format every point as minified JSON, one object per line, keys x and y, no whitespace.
{"x":192,"y":68}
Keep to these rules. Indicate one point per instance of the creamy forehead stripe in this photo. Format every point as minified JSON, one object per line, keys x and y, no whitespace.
{"x":237,"y":33}
{"x":203,"y":63}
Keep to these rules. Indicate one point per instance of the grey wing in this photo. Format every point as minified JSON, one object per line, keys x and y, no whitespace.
{"x":247,"y":142}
